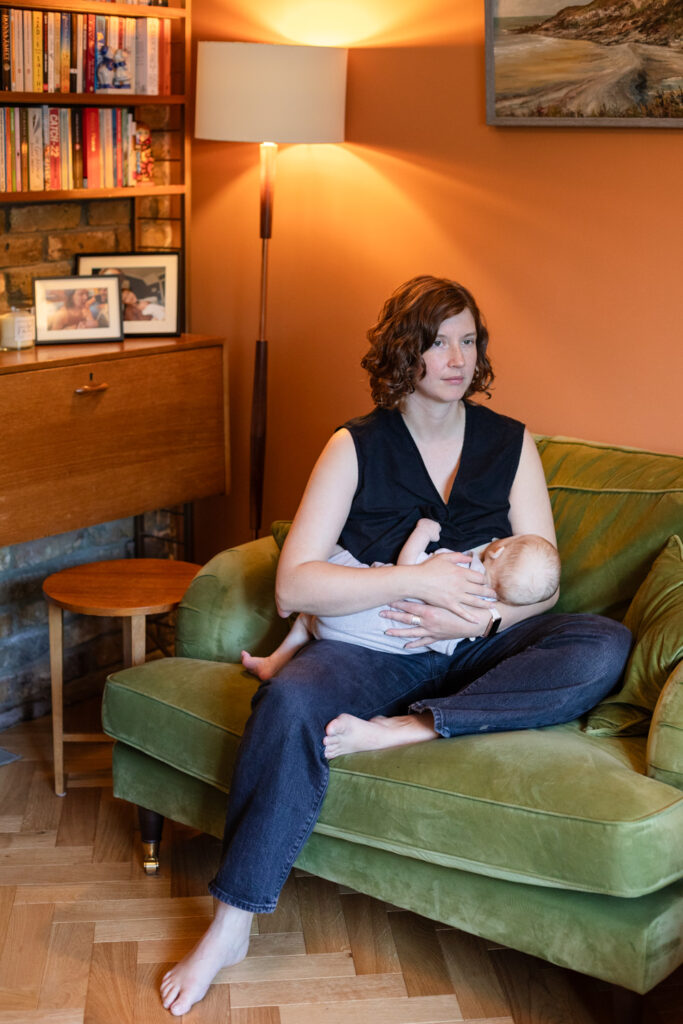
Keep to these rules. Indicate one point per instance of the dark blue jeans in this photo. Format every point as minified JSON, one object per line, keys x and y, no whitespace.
{"x":545,"y":670}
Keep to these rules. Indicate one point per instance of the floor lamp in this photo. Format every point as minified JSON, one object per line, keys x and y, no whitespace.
{"x":270,"y":94}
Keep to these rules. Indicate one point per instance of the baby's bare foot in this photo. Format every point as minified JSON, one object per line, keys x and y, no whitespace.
{"x":261,"y":667}
{"x":225,"y":943}
{"x":347,"y":734}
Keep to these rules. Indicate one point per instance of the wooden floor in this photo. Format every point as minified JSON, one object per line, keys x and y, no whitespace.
{"x":85,"y":937}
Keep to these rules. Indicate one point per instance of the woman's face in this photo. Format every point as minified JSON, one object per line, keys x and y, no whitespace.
{"x":451,"y":361}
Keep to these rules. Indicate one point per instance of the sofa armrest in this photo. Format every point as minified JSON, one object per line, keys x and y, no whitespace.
{"x":230,"y":605}
{"x":665,"y":739}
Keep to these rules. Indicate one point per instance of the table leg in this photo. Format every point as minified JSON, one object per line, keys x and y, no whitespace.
{"x":134,"y":640}
{"x":56,"y":677}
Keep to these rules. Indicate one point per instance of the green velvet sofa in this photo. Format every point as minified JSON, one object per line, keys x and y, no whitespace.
{"x":563,"y":842}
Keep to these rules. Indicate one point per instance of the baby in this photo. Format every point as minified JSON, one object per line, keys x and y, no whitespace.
{"x":522,"y":570}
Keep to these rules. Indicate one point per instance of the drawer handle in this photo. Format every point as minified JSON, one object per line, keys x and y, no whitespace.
{"x":89,"y":389}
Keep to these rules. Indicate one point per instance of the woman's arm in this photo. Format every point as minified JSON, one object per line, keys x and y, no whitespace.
{"x":530,"y":512}
{"x":306,"y":582}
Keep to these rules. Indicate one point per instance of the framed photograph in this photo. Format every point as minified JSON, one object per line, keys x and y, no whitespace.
{"x":150,"y":289}
{"x":590,"y":63}
{"x":77,"y":309}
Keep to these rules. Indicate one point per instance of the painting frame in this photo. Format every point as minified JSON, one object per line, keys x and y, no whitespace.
{"x":62,"y":317}
{"x":494,"y":98}
{"x":151,"y":304}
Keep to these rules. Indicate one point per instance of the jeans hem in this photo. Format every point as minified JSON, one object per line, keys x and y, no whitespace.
{"x":421,"y":706}
{"x":235,"y":901}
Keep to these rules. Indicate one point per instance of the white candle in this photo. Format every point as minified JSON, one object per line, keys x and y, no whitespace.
{"x":17,"y":329}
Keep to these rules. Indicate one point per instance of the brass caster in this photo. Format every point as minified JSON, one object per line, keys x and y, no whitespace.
{"x":150,"y":858}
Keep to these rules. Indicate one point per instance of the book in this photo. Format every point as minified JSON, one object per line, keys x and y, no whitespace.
{"x":64,"y":52}
{"x":141,"y":55}
{"x":74,"y":38}
{"x":46,"y":51}
{"x":16,"y":150}
{"x":6,"y":49}
{"x":64,"y":148}
{"x":52,"y":47}
{"x":37,"y":62}
{"x":36,"y":158}
{"x":82,"y":35}
{"x":91,"y":148}
{"x":53,"y":143}
{"x":152,"y":57}
{"x":107,"y":147}
{"x":28,"y":51}
{"x":23,"y":146}
{"x":16,"y":20}
{"x":46,"y":146}
{"x":77,"y":146}
{"x":3,"y":163}
{"x":89,"y":54}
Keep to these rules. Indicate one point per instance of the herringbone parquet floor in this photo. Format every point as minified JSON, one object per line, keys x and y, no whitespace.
{"x":85,"y":936}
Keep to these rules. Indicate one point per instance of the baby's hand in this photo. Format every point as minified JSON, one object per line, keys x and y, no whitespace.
{"x":429,"y":529}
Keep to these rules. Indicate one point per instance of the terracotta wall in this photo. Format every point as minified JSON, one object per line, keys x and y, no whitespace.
{"x":570,"y":239}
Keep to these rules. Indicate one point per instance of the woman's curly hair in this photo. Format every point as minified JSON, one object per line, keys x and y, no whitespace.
{"x":407,"y":327}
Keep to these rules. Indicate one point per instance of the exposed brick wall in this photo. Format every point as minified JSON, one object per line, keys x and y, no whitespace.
{"x":92,"y":646}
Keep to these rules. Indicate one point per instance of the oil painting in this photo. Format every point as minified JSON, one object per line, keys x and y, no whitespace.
{"x":603,"y":62}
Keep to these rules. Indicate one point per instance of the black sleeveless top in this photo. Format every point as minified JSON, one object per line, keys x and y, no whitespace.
{"x":395,"y":490}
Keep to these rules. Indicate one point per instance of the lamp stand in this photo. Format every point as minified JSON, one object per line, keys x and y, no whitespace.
{"x":259,"y":401}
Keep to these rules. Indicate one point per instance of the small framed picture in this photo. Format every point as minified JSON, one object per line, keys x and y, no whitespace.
{"x":150,"y":289}
{"x":77,"y":309}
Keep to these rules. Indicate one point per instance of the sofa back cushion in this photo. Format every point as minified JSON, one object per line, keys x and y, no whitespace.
{"x":614,"y":510}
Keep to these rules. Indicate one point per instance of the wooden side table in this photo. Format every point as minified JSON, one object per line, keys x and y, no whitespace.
{"x":131,"y":588}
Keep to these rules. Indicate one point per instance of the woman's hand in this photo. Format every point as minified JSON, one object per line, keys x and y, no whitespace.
{"x":434,"y":623}
{"x":446,"y":583}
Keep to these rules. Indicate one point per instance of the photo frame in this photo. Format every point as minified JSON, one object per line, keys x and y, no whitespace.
{"x":582,"y":65}
{"x":77,"y":309}
{"x":150,"y":289}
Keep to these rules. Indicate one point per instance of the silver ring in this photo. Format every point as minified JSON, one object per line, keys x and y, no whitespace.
{"x":416,"y":621}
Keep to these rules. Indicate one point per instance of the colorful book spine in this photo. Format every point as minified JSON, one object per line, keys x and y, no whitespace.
{"x":36,"y":158}
{"x":141,"y":55}
{"x":17,"y":49}
{"x":6,"y":49}
{"x":82,"y":31}
{"x":37,"y":36}
{"x":28,"y":51}
{"x":89,"y":82}
{"x":153,"y":57}
{"x":23,"y":146}
{"x":3,"y":162}
{"x":53,"y":141}
{"x":77,"y":146}
{"x":46,"y":51}
{"x":16,"y":149}
{"x":91,"y":148}
{"x":64,"y":52}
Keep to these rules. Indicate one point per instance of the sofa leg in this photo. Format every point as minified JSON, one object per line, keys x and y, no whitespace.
{"x":151,"y":826}
{"x":627,"y":1007}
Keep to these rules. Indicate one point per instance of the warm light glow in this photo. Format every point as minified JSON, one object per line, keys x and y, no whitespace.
{"x":328,"y":22}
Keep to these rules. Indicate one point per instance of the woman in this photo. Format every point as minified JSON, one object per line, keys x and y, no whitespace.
{"x":423,"y":452}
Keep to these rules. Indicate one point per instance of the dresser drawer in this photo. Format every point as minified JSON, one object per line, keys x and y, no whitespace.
{"x":101,"y":440}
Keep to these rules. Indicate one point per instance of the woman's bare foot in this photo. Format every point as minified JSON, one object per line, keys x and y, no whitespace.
{"x":224,"y":943}
{"x":347,"y":734}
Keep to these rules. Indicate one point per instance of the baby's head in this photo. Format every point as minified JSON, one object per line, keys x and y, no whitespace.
{"x":522,"y":570}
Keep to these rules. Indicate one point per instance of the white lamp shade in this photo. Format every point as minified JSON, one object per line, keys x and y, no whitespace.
{"x":263,"y":92}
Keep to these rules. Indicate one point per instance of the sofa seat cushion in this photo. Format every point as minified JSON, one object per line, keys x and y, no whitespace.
{"x":544,"y":806}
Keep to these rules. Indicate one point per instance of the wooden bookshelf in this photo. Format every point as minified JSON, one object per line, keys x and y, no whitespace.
{"x":172,"y":170}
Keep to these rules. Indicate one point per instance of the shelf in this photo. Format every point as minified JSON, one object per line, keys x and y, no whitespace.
{"x":87,"y":99}
{"x":93,"y":7}
{"x":57,"y":195}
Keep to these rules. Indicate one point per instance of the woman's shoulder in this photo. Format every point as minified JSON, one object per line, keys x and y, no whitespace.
{"x":373,"y":422}
{"x":484,"y":418}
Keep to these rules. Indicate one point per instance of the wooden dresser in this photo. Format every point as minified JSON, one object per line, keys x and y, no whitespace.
{"x":95,"y":432}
